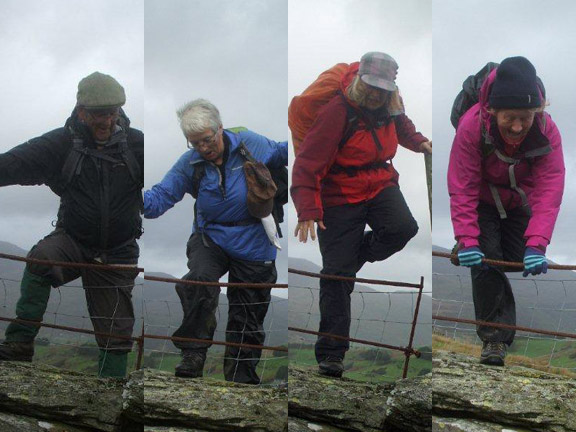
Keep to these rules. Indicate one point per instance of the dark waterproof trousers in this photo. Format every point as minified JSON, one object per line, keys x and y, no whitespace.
{"x":500,"y":239}
{"x":345,"y":248}
{"x":247,"y":308}
{"x":108,"y":293}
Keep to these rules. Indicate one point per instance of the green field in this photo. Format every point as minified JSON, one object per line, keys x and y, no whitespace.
{"x":84,"y":359}
{"x":361,"y":364}
{"x":368,"y":364}
{"x":271,"y":368}
{"x":80,"y":359}
{"x":561,"y":353}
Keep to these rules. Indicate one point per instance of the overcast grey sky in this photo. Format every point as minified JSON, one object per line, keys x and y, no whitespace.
{"x":325,"y":32}
{"x":468,"y":34}
{"x":45,"y":51}
{"x":236,"y":57}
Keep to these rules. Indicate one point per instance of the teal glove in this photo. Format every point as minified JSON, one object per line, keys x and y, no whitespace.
{"x":470,"y":257}
{"x":534,"y":262}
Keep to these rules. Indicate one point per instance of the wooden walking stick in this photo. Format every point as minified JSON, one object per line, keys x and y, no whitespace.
{"x":428,"y":163}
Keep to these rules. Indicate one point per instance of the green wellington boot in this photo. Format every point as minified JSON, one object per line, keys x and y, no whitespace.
{"x":112,"y":364}
{"x":19,"y":340}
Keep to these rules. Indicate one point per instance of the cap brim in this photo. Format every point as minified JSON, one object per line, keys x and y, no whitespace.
{"x":379,"y":82}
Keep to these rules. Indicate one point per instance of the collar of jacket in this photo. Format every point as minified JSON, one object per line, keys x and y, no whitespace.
{"x":536,"y":142}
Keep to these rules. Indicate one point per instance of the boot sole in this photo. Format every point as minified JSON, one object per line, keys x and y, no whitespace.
{"x":183,"y":374}
{"x":27,"y":359}
{"x":493,"y":360}
{"x":329,"y":373}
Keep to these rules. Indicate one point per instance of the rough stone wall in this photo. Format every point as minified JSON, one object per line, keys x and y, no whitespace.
{"x":39,"y":398}
{"x":345,"y":405}
{"x":470,"y":397}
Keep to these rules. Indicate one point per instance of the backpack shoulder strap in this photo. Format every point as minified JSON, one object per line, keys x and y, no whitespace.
{"x":245,"y":153}
{"x":132,"y":164}
{"x":73,"y":163}
{"x":199,"y":172}
{"x":352,"y":118}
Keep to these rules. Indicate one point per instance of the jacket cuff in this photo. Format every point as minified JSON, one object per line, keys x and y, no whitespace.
{"x":468,"y":242}
{"x":313,"y":214}
{"x":537,"y":242}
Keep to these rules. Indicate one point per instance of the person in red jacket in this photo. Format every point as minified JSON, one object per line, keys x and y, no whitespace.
{"x":343,"y":179}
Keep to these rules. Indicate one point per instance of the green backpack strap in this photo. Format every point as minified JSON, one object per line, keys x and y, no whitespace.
{"x":237,"y":129}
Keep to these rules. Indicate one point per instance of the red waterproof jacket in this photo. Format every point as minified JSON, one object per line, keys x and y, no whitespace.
{"x":326,"y":174}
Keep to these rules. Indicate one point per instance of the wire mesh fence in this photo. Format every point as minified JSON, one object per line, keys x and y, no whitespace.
{"x":385,"y":331}
{"x":158,"y":312}
{"x":65,"y":330}
{"x":545,"y":309}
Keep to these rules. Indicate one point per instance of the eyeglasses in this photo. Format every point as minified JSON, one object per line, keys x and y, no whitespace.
{"x":103,"y":114}
{"x":202,"y":143}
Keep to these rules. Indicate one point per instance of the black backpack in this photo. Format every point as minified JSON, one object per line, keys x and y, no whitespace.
{"x":471,"y":86}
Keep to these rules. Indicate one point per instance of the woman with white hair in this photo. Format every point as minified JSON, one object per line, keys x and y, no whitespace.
{"x":226,"y":237}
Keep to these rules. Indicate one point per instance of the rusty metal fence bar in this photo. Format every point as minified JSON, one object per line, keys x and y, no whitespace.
{"x":139,"y":340}
{"x":220,"y":284}
{"x":505,"y":326}
{"x":408,"y":350}
{"x":504,"y":263}
{"x":93,"y":266}
{"x":352,"y":279}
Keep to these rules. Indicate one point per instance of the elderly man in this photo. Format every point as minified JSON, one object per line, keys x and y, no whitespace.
{"x":506,"y":180}
{"x":226,"y":238}
{"x":343,"y":179}
{"x":95,"y":165}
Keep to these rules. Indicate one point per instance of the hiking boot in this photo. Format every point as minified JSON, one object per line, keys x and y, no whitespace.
{"x":16,"y":351}
{"x":192,"y":364}
{"x":493,"y":353}
{"x":331,"y":366}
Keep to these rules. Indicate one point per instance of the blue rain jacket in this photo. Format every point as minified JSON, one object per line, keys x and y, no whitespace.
{"x":248,"y":242}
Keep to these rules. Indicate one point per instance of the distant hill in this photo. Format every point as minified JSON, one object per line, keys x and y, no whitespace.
{"x":156,"y":303}
{"x":543,"y":302}
{"x":376,"y":316}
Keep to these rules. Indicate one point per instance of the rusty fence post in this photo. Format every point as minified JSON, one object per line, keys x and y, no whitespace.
{"x":409,"y":352}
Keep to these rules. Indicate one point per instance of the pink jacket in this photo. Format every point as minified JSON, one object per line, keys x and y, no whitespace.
{"x":537,"y":167}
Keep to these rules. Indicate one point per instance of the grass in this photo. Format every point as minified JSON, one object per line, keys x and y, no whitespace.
{"x":270,"y":368}
{"x":79,"y":359}
{"x":368,"y":365}
{"x":532,"y":353}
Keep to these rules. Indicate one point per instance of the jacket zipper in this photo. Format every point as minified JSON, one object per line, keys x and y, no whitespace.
{"x":220,"y":185}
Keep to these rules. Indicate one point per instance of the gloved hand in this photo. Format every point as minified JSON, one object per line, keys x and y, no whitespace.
{"x":470,"y":257}
{"x":534,"y":262}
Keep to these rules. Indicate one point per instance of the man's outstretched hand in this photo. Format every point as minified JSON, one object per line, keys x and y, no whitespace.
{"x":305,"y":228}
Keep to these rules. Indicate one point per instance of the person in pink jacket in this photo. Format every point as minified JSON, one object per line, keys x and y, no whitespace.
{"x":505,"y":180}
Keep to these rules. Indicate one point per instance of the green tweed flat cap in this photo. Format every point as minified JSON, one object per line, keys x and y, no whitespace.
{"x":98,"y":90}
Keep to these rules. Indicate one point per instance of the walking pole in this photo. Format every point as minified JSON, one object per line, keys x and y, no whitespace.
{"x":428,"y":163}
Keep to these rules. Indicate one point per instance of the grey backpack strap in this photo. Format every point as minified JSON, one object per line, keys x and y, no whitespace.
{"x":497,"y":201}
{"x":73,"y":164}
{"x":131,"y":163}
{"x":246,"y":153}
